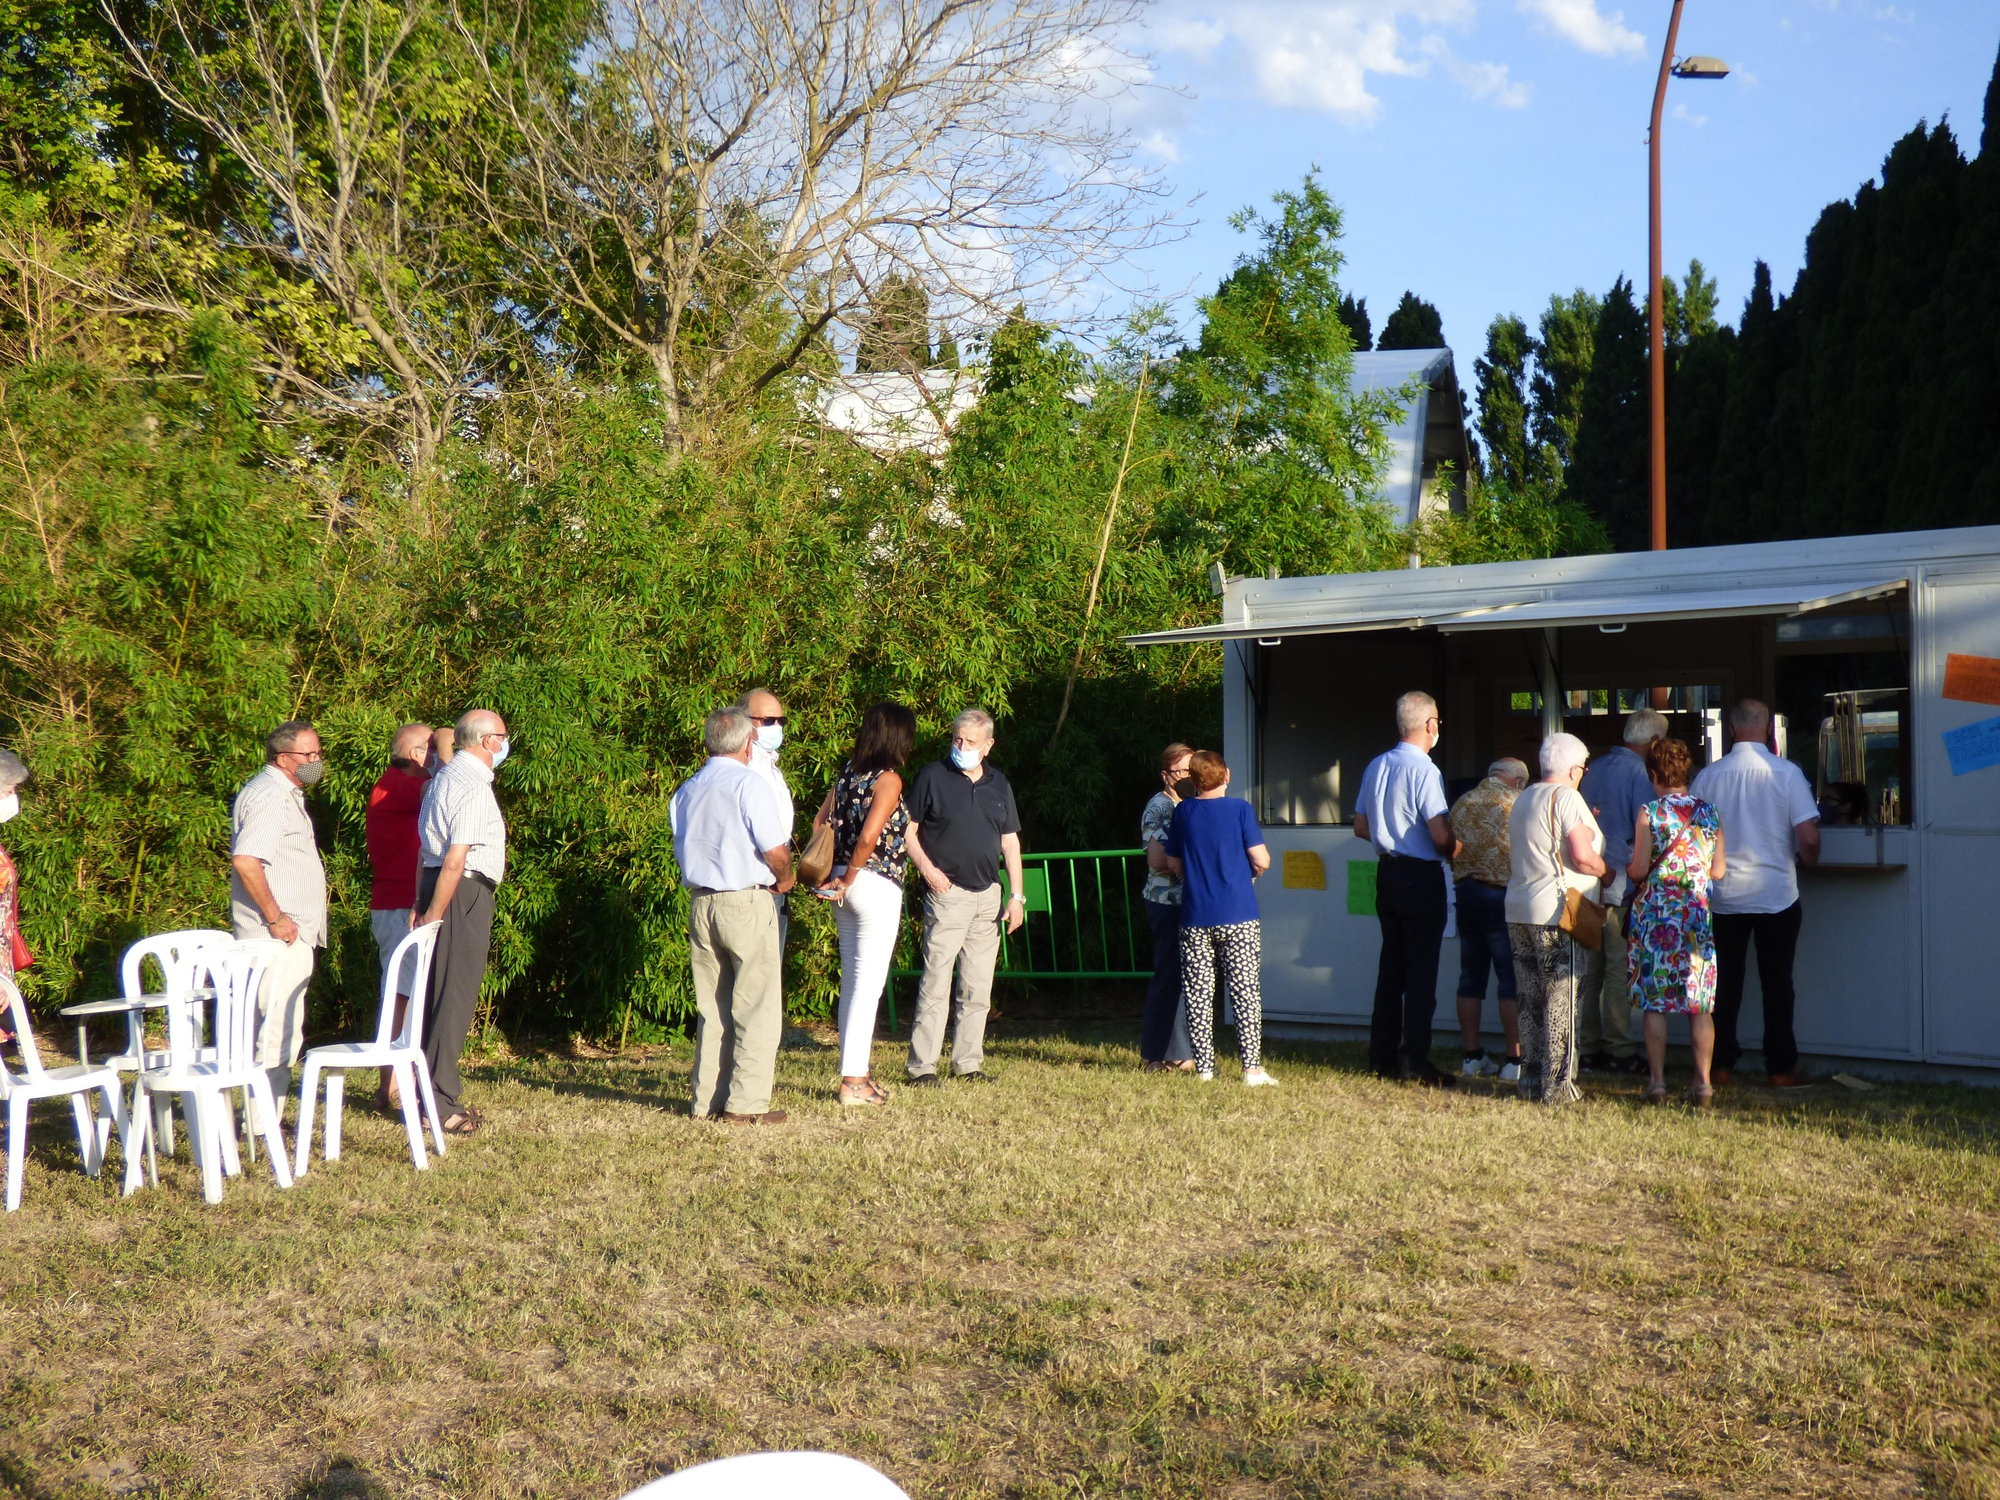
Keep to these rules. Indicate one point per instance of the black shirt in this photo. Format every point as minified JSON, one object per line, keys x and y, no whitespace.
{"x":960,"y":821}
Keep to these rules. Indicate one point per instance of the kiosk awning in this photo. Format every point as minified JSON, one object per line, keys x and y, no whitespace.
{"x":1708,"y":604}
{"x":1448,"y":615}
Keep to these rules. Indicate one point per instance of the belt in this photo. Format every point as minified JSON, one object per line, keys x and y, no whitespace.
{"x":710,"y":890}
{"x":486,"y":880}
{"x":1390,"y":857}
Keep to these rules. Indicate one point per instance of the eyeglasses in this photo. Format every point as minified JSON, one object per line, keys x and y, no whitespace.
{"x":302,"y":755}
{"x":778,"y":719}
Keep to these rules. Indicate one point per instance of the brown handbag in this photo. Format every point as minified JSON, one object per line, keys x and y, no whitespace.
{"x":816,"y":860}
{"x":1582,"y":918}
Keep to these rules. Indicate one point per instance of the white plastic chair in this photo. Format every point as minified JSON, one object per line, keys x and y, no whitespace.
{"x":174,"y":953}
{"x":204,"y":1078}
{"x":774,"y":1476}
{"x":37,"y":1082}
{"x":403,"y":1051}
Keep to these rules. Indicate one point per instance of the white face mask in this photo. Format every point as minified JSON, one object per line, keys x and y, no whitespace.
{"x":10,"y":807}
{"x":770,"y":737}
{"x":500,"y":755}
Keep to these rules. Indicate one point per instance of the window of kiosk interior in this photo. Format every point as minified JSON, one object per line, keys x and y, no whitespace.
{"x":1842,"y":683}
{"x":1595,"y":714}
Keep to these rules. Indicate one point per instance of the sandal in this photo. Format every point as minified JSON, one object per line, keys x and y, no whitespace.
{"x":1701,"y":1096}
{"x":1656,"y":1093}
{"x":465,"y":1122}
{"x":866,"y":1094}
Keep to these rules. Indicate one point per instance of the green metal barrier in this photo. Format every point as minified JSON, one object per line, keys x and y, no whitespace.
{"x":1086,"y":920}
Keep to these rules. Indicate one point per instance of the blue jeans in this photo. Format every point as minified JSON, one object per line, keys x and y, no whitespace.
{"x":1482,"y":939}
{"x":1163,"y":1035}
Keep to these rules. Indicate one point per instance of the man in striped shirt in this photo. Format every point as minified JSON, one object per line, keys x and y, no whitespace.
{"x":462,"y":858}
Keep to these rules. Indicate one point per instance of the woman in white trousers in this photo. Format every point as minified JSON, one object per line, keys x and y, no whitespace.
{"x":865,"y":806}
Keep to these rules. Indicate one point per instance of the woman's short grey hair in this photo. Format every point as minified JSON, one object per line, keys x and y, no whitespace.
{"x":1412,"y":710}
{"x":13,"y":771}
{"x":974,"y":718}
{"x":1645,"y":726}
{"x":726,"y":730}
{"x":1561,"y":753}
{"x":1508,"y":769}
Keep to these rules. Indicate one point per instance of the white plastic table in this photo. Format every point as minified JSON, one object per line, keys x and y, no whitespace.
{"x":84,"y":1012}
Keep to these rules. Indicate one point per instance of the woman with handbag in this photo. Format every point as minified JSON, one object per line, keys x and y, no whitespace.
{"x":865,"y":814}
{"x":1556,"y":859}
{"x":1670,"y":953}
{"x":14,"y":955}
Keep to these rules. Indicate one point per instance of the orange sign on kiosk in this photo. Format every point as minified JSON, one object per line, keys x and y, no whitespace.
{"x":1972,"y":679}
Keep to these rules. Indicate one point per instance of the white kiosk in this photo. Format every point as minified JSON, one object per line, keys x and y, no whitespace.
{"x":1881,"y":654}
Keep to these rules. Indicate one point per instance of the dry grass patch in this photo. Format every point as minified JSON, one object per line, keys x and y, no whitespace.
{"x":1077,"y":1281}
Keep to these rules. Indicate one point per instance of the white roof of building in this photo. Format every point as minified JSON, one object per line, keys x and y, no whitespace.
{"x":1762,"y":578}
{"x":1432,"y":429}
{"x":889,"y":412}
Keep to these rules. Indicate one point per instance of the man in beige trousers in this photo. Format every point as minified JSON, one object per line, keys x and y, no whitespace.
{"x":732,"y":841}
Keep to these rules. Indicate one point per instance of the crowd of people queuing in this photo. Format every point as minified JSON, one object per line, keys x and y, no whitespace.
{"x":1593,"y":893}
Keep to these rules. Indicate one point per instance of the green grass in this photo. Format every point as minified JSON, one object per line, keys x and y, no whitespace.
{"x":1078,"y":1281}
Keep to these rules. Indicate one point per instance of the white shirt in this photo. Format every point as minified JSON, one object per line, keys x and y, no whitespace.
{"x":1538,"y":851}
{"x":765,"y":764}
{"x":1762,"y":800}
{"x":460,"y":808}
{"x":724,"y":817}
{"x":270,"y":823}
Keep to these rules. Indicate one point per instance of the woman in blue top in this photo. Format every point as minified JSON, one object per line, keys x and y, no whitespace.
{"x":1217,"y":849}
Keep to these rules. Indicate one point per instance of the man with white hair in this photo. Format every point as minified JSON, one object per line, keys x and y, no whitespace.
{"x":1616,"y":786}
{"x":1483,"y":868}
{"x":462,"y":859}
{"x":734,"y":847}
{"x":963,"y":822}
{"x":767,"y":736}
{"x":1772,"y":823}
{"x":1400,"y":809}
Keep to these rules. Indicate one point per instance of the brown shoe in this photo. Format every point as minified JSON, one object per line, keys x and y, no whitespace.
{"x":1790,"y":1081}
{"x":769,"y":1117}
{"x":1721,"y":1078}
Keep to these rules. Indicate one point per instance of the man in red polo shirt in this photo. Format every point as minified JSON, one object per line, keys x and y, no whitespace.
{"x":392,"y":856}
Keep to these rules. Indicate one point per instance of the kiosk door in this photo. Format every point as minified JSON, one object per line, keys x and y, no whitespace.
{"x":1961,"y":827}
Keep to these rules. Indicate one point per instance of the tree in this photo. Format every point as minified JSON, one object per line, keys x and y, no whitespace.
{"x":1563,"y":354}
{"x":1354,"y":314}
{"x":895,"y":332}
{"x":1608,"y":471}
{"x":717,"y":184}
{"x":1415,"y":324}
{"x":1503,"y":403}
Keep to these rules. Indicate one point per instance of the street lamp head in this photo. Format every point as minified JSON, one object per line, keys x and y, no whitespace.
{"x":1701,"y":67}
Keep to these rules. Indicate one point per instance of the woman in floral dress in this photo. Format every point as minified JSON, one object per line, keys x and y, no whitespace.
{"x":1676,"y":852}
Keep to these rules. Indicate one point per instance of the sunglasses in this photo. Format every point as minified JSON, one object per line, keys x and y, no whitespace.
{"x":778,"y":719}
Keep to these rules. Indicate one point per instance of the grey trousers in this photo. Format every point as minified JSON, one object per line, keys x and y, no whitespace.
{"x":1603,"y":997}
{"x":458,"y":968}
{"x":738,"y":997}
{"x":961,"y":945}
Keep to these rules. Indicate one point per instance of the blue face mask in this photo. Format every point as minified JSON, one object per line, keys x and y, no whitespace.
{"x":965,"y":760}
{"x":500,"y":755}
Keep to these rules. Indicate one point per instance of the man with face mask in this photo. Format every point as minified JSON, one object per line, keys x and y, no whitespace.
{"x":277,"y":889}
{"x":462,"y":858}
{"x":1400,"y":809}
{"x":391,"y":823}
{"x":767,"y":736}
{"x":962,"y":824}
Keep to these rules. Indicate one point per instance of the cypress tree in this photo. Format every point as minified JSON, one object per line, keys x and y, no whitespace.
{"x":1503,"y":401}
{"x":1608,"y":474}
{"x":1765,"y":350}
{"x":1563,"y":352}
{"x":1700,"y":356}
{"x":1415,"y":324}
{"x":1354,"y":313}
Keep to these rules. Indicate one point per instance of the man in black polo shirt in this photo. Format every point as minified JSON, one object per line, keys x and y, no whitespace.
{"x":962,"y":819}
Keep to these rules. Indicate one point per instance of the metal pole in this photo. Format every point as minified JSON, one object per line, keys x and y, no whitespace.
{"x":1657,"y":363}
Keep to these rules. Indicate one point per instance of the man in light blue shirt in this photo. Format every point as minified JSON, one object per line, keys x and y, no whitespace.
{"x":1401,"y":810}
{"x":1616,"y":786}
{"x":732,"y":841}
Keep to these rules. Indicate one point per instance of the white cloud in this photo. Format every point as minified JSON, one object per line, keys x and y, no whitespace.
{"x":1891,"y":13}
{"x":1681,"y":113}
{"x":1300,"y":55}
{"x":1578,"y":21}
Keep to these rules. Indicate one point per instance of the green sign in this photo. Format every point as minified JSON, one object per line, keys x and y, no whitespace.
{"x":1361,"y":887}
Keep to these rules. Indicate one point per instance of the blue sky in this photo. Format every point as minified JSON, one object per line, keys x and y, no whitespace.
{"x":1490,"y":152}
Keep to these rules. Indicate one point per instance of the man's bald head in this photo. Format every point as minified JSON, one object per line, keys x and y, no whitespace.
{"x":411,"y":742}
{"x":761,"y":703}
{"x":475,"y":724}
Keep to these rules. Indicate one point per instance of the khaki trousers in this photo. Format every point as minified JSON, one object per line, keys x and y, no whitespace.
{"x":739,"y":1001}
{"x":962,"y":933}
{"x":281,"y":1005}
{"x":1603,"y":995}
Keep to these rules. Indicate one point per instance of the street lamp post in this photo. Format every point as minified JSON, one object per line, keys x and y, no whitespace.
{"x":1693,"y":67}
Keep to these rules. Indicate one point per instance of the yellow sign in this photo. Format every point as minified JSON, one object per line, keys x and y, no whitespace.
{"x":1304,"y":871}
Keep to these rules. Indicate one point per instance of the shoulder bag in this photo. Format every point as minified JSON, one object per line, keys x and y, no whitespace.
{"x":1582,"y":918}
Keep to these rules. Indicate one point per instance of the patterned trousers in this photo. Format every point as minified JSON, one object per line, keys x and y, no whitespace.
{"x":1236,"y":949}
{"x":1547,"y":966}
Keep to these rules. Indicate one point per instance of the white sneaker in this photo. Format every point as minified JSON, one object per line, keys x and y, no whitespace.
{"x":1206,"y":1075}
{"x":1510,"y":1073}
{"x":1480,"y":1067}
{"x":1257,"y":1078}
